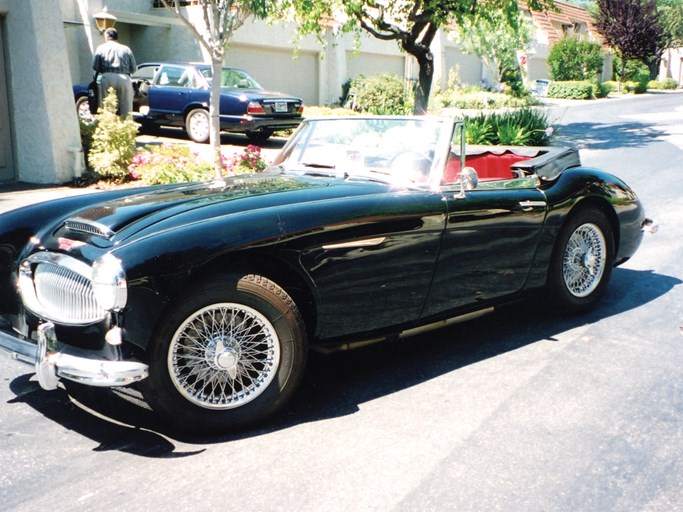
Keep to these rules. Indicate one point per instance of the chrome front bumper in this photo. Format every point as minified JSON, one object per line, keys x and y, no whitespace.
{"x":51,"y":366}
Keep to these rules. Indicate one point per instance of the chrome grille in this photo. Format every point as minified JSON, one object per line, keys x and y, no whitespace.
{"x":58,"y":288}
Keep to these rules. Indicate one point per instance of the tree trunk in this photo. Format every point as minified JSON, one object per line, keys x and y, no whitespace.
{"x":214,"y":116}
{"x":424,"y":83}
{"x":420,"y":48}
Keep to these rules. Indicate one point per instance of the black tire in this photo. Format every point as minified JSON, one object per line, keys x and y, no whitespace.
{"x":198,"y":125}
{"x":230,"y":354}
{"x":260,"y":136}
{"x":582,"y":262}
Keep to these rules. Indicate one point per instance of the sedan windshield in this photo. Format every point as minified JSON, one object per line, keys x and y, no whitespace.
{"x":392,"y":149}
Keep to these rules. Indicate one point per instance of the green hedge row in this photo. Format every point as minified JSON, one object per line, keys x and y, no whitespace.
{"x":578,"y":90}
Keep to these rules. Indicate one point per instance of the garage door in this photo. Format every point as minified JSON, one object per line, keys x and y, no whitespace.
{"x":369,"y":64}
{"x":467,"y":67}
{"x":278,"y":70}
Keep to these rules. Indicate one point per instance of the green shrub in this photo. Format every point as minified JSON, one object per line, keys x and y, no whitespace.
{"x":601,"y":90}
{"x":667,"y":84}
{"x":635,"y":87}
{"x":479,"y":130}
{"x":572,"y":60}
{"x":524,"y":127}
{"x":612,"y":84}
{"x":468,"y":99}
{"x":113,"y":142}
{"x":379,"y":94}
{"x":635,"y":71}
{"x":573,"y":90}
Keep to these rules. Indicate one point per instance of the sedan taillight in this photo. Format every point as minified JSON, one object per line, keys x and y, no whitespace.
{"x":255,"y":107}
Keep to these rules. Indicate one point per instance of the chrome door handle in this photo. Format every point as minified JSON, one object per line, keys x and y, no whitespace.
{"x":527,"y":206}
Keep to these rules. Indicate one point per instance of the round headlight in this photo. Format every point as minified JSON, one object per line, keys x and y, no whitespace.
{"x":109,"y":283}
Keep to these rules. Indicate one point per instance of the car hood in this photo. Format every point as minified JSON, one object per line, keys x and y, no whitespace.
{"x":168,"y":207}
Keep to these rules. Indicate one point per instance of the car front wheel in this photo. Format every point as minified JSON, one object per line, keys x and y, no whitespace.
{"x":197,"y":125}
{"x":582,"y":261}
{"x":230,"y":354}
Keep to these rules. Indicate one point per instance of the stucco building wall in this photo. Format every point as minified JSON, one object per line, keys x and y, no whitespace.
{"x":43,"y":129}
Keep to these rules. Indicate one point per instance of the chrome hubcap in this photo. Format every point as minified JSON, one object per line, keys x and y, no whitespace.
{"x":584,"y":260}
{"x":199,"y":125}
{"x":224,"y":356}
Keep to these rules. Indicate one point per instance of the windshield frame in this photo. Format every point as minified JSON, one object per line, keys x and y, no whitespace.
{"x":292,"y":157}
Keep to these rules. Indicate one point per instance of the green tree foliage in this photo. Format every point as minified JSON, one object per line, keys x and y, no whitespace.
{"x":219,"y":20}
{"x":570,"y":59}
{"x":412,"y":24}
{"x":633,"y":29}
{"x":671,"y":20}
{"x":495,"y":38}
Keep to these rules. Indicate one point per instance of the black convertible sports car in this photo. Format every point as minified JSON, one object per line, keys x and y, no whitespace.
{"x":364,"y":229}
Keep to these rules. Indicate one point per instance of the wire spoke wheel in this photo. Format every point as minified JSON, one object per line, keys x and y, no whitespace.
{"x":584,"y":260}
{"x":224,"y":356}
{"x":581,"y":262}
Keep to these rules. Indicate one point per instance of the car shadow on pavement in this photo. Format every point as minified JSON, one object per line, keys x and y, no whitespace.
{"x":334,"y":385}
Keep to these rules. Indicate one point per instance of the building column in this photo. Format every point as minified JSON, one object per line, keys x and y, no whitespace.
{"x":42,"y":111}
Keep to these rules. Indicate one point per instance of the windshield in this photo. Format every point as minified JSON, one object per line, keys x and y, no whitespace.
{"x":233,"y":79}
{"x":392,"y":149}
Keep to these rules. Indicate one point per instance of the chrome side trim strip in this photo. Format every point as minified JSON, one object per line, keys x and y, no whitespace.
{"x":368,"y":242}
{"x":532,"y":204}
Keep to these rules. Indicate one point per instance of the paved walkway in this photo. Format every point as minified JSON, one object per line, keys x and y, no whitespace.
{"x":16,"y":195}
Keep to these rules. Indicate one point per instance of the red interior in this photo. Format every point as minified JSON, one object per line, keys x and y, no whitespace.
{"x":489,"y":166}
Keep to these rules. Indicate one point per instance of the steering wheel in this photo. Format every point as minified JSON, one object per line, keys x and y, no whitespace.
{"x":412,"y":165}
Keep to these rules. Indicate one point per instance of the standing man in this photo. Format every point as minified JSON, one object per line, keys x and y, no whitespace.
{"x":115,"y":62}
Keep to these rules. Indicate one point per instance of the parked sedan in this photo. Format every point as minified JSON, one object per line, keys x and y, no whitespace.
{"x":177,"y":94}
{"x":365,"y":229}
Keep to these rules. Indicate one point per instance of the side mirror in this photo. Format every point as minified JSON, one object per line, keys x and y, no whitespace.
{"x":468,"y":180}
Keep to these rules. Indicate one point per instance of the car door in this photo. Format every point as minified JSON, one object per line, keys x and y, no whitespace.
{"x":489,"y":243}
{"x":171,"y":91}
{"x":375,"y":269}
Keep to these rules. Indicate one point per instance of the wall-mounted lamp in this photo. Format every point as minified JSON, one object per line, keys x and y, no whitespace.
{"x":104,"y":20}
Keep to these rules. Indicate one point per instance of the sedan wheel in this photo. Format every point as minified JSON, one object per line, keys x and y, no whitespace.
{"x":229,"y":355}
{"x":197,"y":125}
{"x":582,"y":261}
{"x":83,"y":109}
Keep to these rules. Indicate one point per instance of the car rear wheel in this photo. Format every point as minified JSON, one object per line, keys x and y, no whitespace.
{"x":197,"y":125}
{"x":257,"y":137}
{"x":230,"y":354}
{"x":582,"y":261}
{"x":83,"y":109}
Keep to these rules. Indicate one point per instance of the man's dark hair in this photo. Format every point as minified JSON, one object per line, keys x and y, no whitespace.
{"x":111,"y":34}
